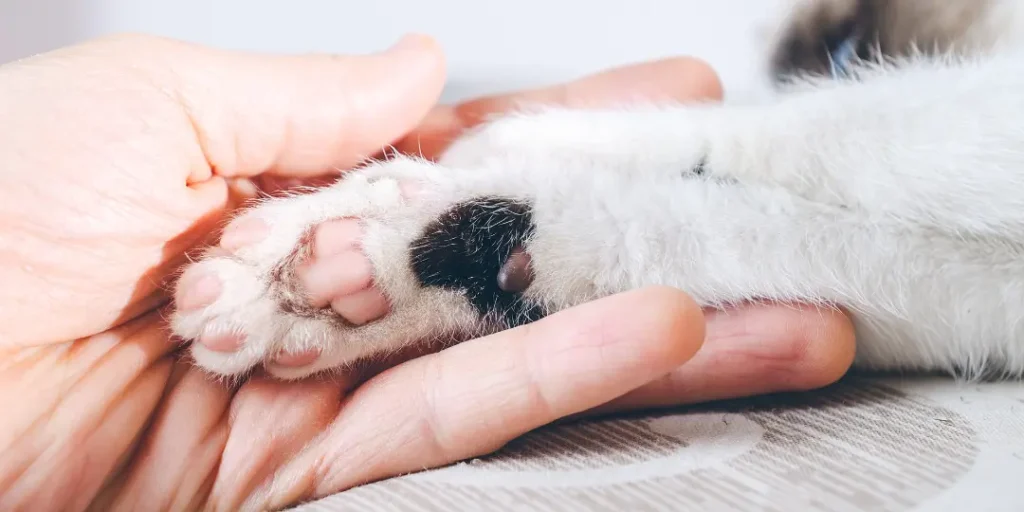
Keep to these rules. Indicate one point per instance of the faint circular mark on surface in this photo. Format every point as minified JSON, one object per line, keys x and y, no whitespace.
{"x":857,"y":445}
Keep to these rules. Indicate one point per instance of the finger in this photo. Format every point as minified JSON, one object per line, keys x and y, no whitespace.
{"x":673,"y":80}
{"x":755,"y":350}
{"x":679,"y":79}
{"x":174,"y":464}
{"x":441,"y":126}
{"x":473,"y":398}
{"x":73,"y":412}
{"x":255,"y":447}
{"x":305,"y":115}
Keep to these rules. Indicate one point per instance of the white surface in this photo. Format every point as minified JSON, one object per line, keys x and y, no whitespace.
{"x":922,"y":444}
{"x":491,"y":46}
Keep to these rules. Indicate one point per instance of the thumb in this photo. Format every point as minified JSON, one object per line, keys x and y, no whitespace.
{"x":306,"y":115}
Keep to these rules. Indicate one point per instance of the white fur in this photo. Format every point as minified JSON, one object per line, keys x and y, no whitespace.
{"x":898,"y":196}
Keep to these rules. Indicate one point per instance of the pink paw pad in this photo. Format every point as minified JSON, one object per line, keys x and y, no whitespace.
{"x":196,"y":291}
{"x":340,"y":275}
{"x":297,"y":359}
{"x":223,"y":342}
{"x":243,"y":232}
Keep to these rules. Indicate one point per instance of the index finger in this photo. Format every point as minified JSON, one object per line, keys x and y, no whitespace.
{"x":473,"y":398}
{"x":673,"y":80}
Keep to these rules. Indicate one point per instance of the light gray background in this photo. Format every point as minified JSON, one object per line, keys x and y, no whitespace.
{"x":491,"y":46}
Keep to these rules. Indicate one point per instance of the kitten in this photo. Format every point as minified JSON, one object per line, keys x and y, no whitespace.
{"x":819,"y":32}
{"x":894,"y":189}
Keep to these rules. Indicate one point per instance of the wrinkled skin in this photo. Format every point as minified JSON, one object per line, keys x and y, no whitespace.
{"x":122,"y":154}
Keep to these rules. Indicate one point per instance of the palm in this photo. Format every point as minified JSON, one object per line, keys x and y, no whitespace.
{"x":109,"y":216}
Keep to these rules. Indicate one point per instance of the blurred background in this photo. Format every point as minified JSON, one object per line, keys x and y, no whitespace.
{"x":491,"y":46}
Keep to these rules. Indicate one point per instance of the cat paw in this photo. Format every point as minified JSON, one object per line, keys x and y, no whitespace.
{"x":397,"y":253}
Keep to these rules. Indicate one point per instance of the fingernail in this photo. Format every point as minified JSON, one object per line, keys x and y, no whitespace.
{"x":336,"y":276}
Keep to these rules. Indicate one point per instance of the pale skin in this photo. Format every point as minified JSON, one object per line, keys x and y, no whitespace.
{"x":123,"y":158}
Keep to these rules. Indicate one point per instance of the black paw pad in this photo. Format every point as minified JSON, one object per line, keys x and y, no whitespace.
{"x":516,"y":275}
{"x":478,"y":247}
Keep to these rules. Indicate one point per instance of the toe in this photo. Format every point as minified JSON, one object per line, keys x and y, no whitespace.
{"x":338,"y":267}
{"x":196,"y":290}
{"x":361,"y":307}
{"x":297,"y":359}
{"x":222,"y":342}
{"x":336,"y":236}
{"x":335,"y":276}
{"x":340,"y":275}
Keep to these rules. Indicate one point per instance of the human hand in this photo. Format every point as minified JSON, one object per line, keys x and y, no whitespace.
{"x":78,"y":406}
{"x":124,"y":149}
{"x":121,"y":160}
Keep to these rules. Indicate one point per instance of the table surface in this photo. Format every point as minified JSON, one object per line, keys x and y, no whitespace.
{"x":865,"y":444}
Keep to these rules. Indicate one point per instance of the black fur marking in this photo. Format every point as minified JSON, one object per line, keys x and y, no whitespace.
{"x":465,"y":249}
